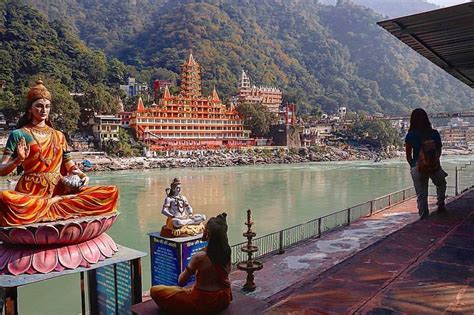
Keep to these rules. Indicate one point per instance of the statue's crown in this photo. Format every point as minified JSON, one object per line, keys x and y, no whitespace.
{"x":175,"y":183}
{"x":38,"y":91}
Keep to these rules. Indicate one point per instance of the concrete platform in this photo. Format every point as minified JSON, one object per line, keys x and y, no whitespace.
{"x":426,"y":267}
{"x":283,"y":273}
{"x":240,"y":305}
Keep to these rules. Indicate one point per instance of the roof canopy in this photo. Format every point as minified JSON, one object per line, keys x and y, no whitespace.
{"x":444,"y":36}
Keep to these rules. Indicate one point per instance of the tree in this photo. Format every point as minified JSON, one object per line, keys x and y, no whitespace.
{"x":378,"y":132}
{"x":65,"y":110}
{"x":116,"y":72}
{"x":257,"y":118}
{"x":9,"y":106}
{"x":98,"y":99}
{"x":122,"y":147}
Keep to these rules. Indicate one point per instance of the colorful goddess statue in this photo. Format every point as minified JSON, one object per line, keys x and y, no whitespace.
{"x":52,"y":188}
{"x":180,"y":218}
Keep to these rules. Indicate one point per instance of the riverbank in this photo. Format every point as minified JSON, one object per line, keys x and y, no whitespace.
{"x":255,"y":156}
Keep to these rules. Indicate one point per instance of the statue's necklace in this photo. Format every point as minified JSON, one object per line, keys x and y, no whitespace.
{"x":43,"y":132}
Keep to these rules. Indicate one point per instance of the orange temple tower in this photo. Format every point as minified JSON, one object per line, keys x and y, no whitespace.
{"x":189,"y":120}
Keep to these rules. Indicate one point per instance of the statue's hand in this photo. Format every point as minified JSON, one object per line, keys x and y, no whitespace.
{"x":85,"y":180}
{"x":83,"y":176}
{"x":22,"y":149}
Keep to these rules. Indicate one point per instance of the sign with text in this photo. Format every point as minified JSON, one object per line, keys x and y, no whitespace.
{"x":114,"y":288}
{"x":170,"y":256}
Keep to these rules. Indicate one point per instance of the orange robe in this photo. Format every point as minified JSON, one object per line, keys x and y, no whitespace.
{"x":31,"y":201}
{"x":183,"y":301}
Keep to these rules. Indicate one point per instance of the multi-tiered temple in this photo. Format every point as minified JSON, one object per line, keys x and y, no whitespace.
{"x":270,"y":97}
{"x":189,"y":120}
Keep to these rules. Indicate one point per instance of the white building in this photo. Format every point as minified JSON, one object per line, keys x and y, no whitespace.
{"x":134,"y":88}
{"x":105,"y":127}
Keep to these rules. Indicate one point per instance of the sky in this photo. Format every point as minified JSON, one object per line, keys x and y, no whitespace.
{"x":447,"y":2}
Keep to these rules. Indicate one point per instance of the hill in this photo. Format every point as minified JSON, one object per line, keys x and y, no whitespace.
{"x":392,"y":8}
{"x":320,"y":56}
{"x":32,"y":47}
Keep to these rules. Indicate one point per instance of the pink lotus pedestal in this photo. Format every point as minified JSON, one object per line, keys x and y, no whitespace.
{"x":56,"y":246}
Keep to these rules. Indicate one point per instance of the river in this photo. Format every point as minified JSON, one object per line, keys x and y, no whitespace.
{"x":280,"y":196}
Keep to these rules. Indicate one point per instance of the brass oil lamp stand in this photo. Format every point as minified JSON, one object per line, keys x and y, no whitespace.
{"x":251,"y":265}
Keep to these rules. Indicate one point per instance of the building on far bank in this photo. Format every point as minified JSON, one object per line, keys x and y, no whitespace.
{"x":105,"y":127}
{"x":457,"y":136}
{"x":457,"y":133}
{"x":270,"y":97}
{"x":124,"y":115}
{"x":133,"y":88}
{"x":189,"y":120}
{"x":3,"y":122}
{"x":316,"y":134}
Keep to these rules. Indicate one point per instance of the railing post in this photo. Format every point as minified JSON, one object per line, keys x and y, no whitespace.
{"x":319,"y":227}
{"x":371,"y":207}
{"x":404,"y":194}
{"x":348,"y":216}
{"x":280,"y":250}
{"x":389,"y":200}
{"x":456,"y":191}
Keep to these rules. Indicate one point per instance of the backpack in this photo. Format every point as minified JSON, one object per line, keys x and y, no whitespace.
{"x":428,"y":161}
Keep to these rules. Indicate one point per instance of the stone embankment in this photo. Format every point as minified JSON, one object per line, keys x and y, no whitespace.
{"x":235,"y":158}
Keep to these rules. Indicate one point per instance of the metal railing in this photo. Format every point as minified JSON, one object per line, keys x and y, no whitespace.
{"x":277,"y":242}
{"x":464,"y":178}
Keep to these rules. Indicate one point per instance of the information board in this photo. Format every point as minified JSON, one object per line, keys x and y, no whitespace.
{"x":188,"y":250}
{"x":105,"y":278}
{"x":123,"y":272}
{"x":114,"y":289}
{"x":165,"y":262}
{"x":170,"y":256}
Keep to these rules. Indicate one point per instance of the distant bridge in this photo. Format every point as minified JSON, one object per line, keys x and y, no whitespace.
{"x":433,"y":115}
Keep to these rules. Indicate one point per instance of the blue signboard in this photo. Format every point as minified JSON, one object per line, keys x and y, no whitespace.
{"x":106,"y":290}
{"x":165,"y":262}
{"x":170,"y":256}
{"x":123,"y":272}
{"x":188,"y":250}
{"x":114,"y":289}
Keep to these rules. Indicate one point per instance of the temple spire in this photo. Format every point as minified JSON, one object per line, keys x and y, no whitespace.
{"x":140,"y":107}
{"x":244,"y":80}
{"x":190,"y":61}
{"x":215,"y":96}
{"x":191,"y":78}
{"x":166,"y":94}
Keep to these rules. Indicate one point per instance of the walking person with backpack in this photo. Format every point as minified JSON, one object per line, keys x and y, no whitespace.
{"x":423,"y":150}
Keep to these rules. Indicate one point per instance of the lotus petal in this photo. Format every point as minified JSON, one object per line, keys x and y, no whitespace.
{"x":103,"y":246}
{"x":90,"y":252}
{"x":5,"y":254}
{"x":4,"y":237}
{"x":107,"y":223}
{"x":47,"y":235}
{"x":70,"y":234}
{"x":106,"y":238}
{"x":70,"y":256}
{"x":91,"y":230}
{"x":20,"y":261}
{"x":45,"y":260}
{"x":21,"y":236}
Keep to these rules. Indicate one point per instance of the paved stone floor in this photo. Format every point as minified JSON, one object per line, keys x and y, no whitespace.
{"x":305,"y":261}
{"x":426,"y":267}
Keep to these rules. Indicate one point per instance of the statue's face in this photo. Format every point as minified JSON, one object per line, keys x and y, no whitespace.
{"x":39,"y":110}
{"x":177,"y":190}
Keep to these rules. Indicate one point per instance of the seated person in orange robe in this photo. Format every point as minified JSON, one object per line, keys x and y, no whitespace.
{"x":40,"y":195}
{"x":211,"y":293}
